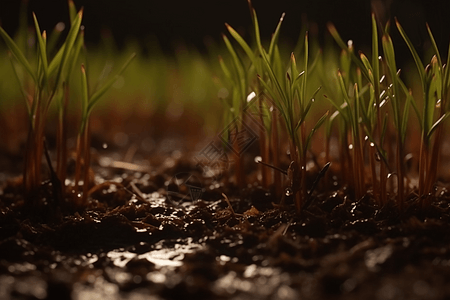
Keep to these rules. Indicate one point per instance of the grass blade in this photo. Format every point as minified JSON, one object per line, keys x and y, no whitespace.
{"x":413,"y":51}
{"x":84,"y":99}
{"x":242,"y":43}
{"x":75,"y":54}
{"x":239,"y":68}
{"x":99,"y":93}
{"x":330,"y":121}
{"x":375,"y":57}
{"x":435,"y":47}
{"x":368,"y":67}
{"x":334,"y":33}
{"x":436,"y":125}
{"x":42,"y":48}
{"x":314,"y":129}
{"x":72,"y":11}
{"x":55,"y":62}
{"x":276,"y":34}
{"x":388,"y":49}
{"x":405,"y":119}
{"x":305,"y":66}
{"x":225,"y":69}
{"x":19,"y":82}
{"x":68,"y":44}
{"x":306,"y":110}
{"x":339,"y":108}
{"x":17,"y":53}
{"x":446,"y":81}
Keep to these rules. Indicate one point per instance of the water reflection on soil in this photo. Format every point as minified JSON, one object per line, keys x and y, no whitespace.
{"x":161,"y":257}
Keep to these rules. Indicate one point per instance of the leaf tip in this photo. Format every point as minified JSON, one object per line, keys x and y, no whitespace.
{"x":331,"y":28}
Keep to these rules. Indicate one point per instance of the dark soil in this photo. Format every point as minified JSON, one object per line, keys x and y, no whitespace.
{"x":135,"y":240}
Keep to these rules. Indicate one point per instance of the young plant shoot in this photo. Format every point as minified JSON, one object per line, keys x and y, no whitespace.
{"x":49,"y":81}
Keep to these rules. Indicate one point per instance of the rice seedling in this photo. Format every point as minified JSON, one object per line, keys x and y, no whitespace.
{"x":434,"y":80}
{"x":88,"y":102}
{"x":49,"y":80}
{"x":383,"y":81}
{"x":400,"y":114}
{"x":371,"y":116}
{"x":243,"y":90}
{"x":369,"y":100}
{"x":287,"y":90}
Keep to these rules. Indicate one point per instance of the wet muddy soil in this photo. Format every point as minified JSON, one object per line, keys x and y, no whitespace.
{"x":138,"y":240}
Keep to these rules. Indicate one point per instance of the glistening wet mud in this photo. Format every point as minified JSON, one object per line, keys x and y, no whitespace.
{"x":135,"y":240}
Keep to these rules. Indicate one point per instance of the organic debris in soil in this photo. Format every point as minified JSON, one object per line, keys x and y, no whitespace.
{"x":125,"y":245}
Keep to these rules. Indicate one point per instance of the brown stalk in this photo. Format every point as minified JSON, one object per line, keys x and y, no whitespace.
{"x":275,"y":153}
{"x":401,"y":172}
{"x":355,"y":167}
{"x":28,"y":170}
{"x":327,"y":159}
{"x":343,"y":161}
{"x":56,"y":184}
{"x":38,"y":147}
{"x":61,"y":142}
{"x":294,"y":174}
{"x":359,"y":167}
{"x":423,"y":158}
{"x":382,"y":199}
{"x":347,"y":162}
{"x":87,"y":160}
{"x":433,"y":167}
{"x":264,"y":146}
{"x":375,"y":183}
{"x":383,"y":175}
{"x":79,"y":153}
{"x":239,"y":171}
{"x":304,"y":190}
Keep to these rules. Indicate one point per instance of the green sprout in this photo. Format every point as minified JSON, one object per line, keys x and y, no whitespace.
{"x":365,"y":121}
{"x":288,"y":92}
{"x":387,"y":86}
{"x":435,"y":84}
{"x":400,"y":113}
{"x":246,"y":89}
{"x":47,"y":79}
{"x":83,"y":139}
{"x":50,"y":82}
